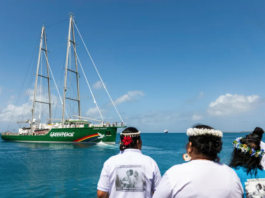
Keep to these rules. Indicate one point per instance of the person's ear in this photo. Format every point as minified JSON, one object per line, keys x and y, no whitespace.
{"x":190,"y":149}
{"x":139,"y":144}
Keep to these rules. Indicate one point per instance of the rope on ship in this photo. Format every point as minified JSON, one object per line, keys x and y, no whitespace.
{"x":55,"y":84}
{"x":98,"y":72}
{"x":89,"y":86}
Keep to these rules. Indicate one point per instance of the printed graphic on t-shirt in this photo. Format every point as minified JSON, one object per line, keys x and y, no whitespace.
{"x":130,"y":178}
{"x":255,"y":188}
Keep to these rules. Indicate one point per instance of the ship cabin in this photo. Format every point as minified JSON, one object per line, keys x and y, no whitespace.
{"x":72,"y":123}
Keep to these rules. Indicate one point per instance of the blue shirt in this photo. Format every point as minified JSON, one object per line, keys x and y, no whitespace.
{"x":254,"y":186}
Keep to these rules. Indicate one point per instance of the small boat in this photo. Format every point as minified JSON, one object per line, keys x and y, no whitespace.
{"x":165,"y":131}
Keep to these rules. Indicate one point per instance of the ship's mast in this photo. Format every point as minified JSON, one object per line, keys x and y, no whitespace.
{"x":69,"y":41}
{"x":41,"y":48}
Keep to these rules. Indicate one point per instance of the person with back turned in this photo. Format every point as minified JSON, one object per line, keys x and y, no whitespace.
{"x":259,"y":132}
{"x":129,"y":174}
{"x":246,"y":158}
{"x":203,"y":176}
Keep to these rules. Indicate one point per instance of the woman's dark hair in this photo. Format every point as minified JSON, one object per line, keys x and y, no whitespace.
{"x":258,"y":131}
{"x":251,"y":164}
{"x":207,"y":144}
{"x":134,"y":138}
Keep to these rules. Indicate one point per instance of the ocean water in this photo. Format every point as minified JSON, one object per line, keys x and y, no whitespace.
{"x":72,"y":170}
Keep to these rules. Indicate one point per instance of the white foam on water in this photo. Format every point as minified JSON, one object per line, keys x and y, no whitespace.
{"x":102,"y":144}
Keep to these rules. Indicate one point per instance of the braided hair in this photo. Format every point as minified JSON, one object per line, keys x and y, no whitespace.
{"x":134,"y":138}
{"x":207,"y":144}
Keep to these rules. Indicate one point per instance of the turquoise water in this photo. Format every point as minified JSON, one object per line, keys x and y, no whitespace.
{"x":72,"y":170}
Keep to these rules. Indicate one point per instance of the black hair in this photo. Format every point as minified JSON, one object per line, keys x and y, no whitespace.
{"x":207,"y":144}
{"x":258,"y":131}
{"x":134,"y":138}
{"x":131,"y":172}
{"x":251,"y":164}
{"x":259,"y":185}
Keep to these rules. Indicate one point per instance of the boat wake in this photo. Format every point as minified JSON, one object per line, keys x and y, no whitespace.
{"x":103,"y":144}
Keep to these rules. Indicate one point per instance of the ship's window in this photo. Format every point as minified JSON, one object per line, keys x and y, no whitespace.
{"x":108,"y":133}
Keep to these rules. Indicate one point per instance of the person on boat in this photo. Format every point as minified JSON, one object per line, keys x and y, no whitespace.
{"x":130,"y":173}
{"x":203,"y":176}
{"x":245,"y":160}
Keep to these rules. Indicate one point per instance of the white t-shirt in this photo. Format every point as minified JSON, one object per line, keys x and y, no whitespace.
{"x":129,"y":174}
{"x":200,"y":178}
{"x":262,"y":162}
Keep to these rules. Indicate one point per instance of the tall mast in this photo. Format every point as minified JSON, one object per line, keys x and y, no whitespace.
{"x":48,"y":78}
{"x":76,"y":69}
{"x":69,"y":41}
{"x":41,"y":48}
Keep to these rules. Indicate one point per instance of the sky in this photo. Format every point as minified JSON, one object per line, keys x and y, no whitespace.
{"x":166,"y":64}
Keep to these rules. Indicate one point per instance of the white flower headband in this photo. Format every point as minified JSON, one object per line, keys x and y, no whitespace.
{"x":196,"y":132}
{"x":131,"y":134}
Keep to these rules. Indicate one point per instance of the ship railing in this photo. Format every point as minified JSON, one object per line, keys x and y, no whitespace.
{"x":9,"y":133}
{"x":115,"y":124}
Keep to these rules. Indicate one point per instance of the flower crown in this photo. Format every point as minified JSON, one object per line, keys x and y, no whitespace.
{"x":127,"y":140}
{"x":245,"y":149}
{"x":132,"y":134}
{"x":196,"y":132}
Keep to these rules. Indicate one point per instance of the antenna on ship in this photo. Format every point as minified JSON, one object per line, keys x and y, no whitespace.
{"x":69,"y":41}
{"x":41,"y":48}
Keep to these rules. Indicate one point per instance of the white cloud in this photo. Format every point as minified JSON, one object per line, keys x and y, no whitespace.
{"x":40,"y":96}
{"x":130,"y":96}
{"x":93,"y":112}
{"x":232,"y":104}
{"x":196,"y":117}
{"x":97,"y":85}
{"x":16,"y":111}
{"x":24,"y":111}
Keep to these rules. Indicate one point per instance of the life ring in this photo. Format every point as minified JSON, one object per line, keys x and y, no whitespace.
{"x":186,"y":157}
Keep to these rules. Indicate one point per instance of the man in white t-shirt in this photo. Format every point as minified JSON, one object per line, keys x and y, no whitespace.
{"x":129,"y":174}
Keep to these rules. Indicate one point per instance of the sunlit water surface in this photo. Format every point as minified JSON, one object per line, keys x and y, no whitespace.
{"x":72,"y":170}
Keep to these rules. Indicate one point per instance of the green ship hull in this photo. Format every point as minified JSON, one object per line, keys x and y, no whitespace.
{"x":68,"y":135}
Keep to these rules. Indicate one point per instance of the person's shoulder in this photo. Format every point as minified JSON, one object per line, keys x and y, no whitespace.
{"x":148,"y":158}
{"x":112,"y":159}
{"x":262,"y":144}
{"x":179,"y":168}
{"x":236,"y":173}
{"x":228,"y":168}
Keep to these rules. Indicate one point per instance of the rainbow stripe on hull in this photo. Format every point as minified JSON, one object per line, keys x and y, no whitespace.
{"x":88,"y":138}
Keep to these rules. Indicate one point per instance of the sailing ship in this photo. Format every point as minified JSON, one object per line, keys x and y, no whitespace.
{"x":165,"y":131}
{"x":78,"y":129}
